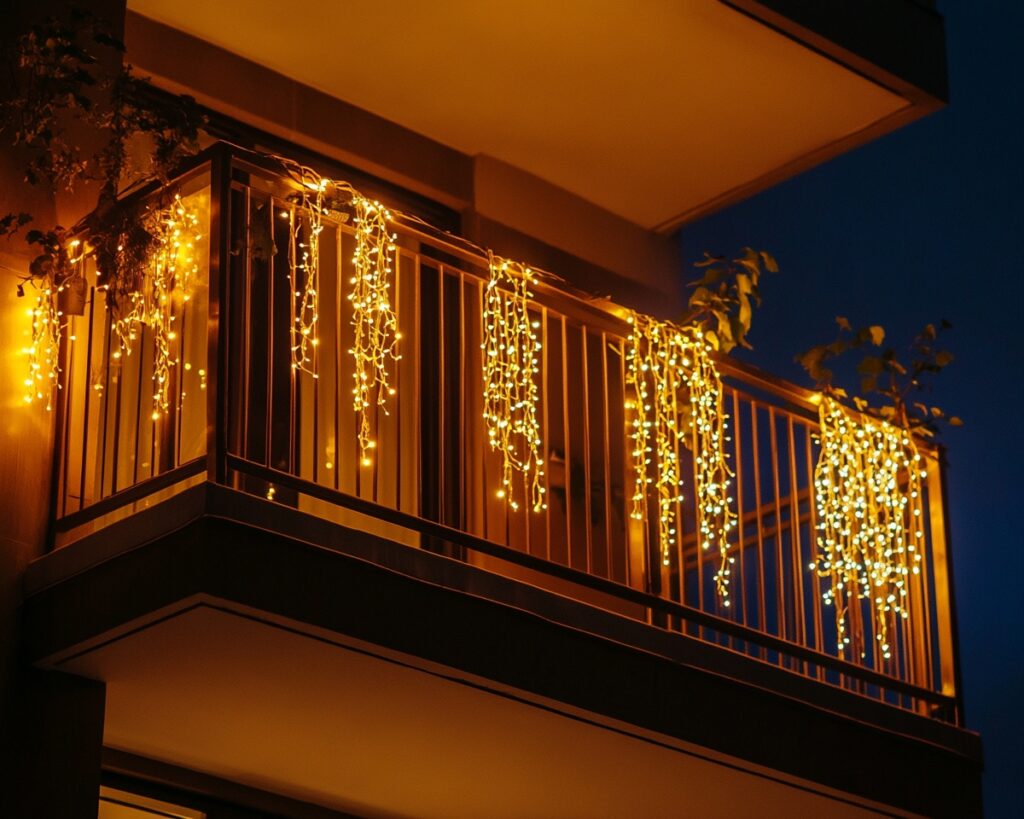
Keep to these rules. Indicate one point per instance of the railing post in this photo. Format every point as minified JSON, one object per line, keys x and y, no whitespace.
{"x":945,"y":599}
{"x":217,"y":323}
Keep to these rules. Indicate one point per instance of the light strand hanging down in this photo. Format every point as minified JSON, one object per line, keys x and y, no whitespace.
{"x":510,"y":361}
{"x":172,"y":271}
{"x":48,"y":327}
{"x":870,"y":539}
{"x":663,"y":360}
{"x":373,"y":317}
{"x":304,"y":271}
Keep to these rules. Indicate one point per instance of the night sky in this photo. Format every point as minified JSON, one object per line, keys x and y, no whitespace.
{"x":924,"y":224}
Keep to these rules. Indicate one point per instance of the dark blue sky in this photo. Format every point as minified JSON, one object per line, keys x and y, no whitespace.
{"x":924,"y":224}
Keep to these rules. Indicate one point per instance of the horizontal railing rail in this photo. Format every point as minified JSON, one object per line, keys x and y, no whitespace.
{"x":241,"y":415}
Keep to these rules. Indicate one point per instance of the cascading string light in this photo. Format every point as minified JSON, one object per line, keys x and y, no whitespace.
{"x":304,"y":272}
{"x":172,"y":270}
{"x":374,"y":321}
{"x":870,"y":537}
{"x":510,"y":362}
{"x":48,"y":328}
{"x":664,"y":359}
{"x":373,"y":317}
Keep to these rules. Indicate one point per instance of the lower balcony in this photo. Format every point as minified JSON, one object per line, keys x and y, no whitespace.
{"x":272,"y":603}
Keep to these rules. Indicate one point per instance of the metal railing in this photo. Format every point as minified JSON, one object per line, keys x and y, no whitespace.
{"x":258,"y":425}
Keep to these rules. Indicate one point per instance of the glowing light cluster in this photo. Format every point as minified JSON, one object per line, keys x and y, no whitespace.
{"x":373,"y":318}
{"x":44,"y":351}
{"x":304,"y":276}
{"x":870,"y":531}
{"x":510,"y":350}
{"x":664,"y":360}
{"x":48,"y":328}
{"x":171,"y":271}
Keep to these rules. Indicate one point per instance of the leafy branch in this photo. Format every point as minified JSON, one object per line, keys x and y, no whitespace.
{"x":898,"y":377}
{"x":723,"y":300}
{"x":69,"y":79}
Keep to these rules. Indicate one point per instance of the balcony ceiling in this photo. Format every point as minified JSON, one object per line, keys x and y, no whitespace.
{"x":656,"y":111}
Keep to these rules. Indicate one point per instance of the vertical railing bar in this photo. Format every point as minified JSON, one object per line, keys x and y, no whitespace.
{"x":399,"y":396}
{"x":605,"y":398}
{"x":417,"y":311}
{"x":925,"y":587}
{"x":108,"y":324}
{"x":780,"y":587}
{"x":316,"y":379}
{"x":441,"y":386}
{"x":586,"y":451}
{"x":945,"y":601}
{"x":180,"y":377}
{"x":117,"y":428}
{"x":56,"y":498}
{"x":799,"y":610}
{"x":678,"y":513}
{"x":812,"y":508}
{"x":545,"y":389}
{"x":86,"y":434}
{"x":338,"y":350}
{"x":64,"y":403}
{"x":762,"y":603}
{"x":461,"y":460}
{"x":294,"y":374}
{"x":218,"y":339}
{"x":247,"y":323}
{"x":700,"y":546}
{"x":486,"y":448}
{"x":268,"y":358}
{"x":626,"y":461}
{"x":566,"y":437}
{"x":738,"y":450}
{"x":138,"y":410}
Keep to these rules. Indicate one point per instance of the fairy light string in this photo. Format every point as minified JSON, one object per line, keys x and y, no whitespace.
{"x":663,"y":361}
{"x":870,"y":540}
{"x":171,"y":272}
{"x":375,"y":325}
{"x":510,"y":361}
{"x":304,"y":271}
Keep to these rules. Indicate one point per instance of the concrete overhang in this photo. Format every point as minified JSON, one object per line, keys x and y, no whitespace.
{"x":366,"y":676}
{"x":658,"y":112}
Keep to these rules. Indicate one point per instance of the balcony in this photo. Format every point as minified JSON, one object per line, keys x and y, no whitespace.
{"x":235,"y":432}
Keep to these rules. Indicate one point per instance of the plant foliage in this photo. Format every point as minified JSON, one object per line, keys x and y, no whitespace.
{"x":898,"y":377}
{"x":723,"y":299}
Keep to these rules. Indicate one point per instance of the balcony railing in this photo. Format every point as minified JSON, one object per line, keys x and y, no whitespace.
{"x":241,"y":416}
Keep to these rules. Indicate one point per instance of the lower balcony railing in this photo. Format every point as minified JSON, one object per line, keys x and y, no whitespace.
{"x":237,"y":412}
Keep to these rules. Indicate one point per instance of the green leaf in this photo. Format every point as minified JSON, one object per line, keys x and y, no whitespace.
{"x":955,"y":421}
{"x":943,"y":358}
{"x":877,"y":334}
{"x":844,"y":323}
{"x":770,"y":264}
